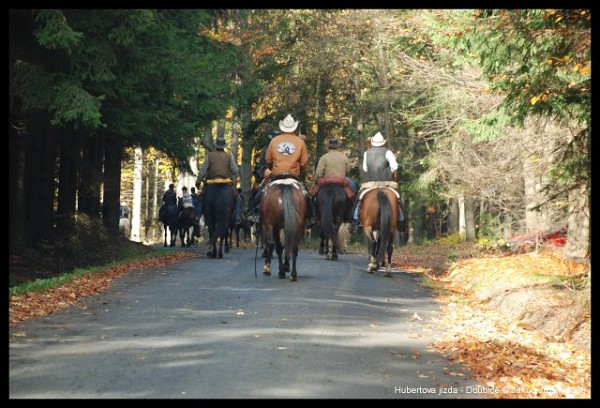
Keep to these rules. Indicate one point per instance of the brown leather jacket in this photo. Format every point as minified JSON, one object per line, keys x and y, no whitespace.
{"x":287,"y":154}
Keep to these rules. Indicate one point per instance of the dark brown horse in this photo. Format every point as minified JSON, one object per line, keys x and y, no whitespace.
{"x":187,"y":222}
{"x":332,"y":206}
{"x":218,"y":212}
{"x":283,"y":209}
{"x":379,"y":216}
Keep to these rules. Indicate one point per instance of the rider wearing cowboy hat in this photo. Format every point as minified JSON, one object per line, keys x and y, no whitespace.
{"x":379,"y":164}
{"x":218,"y":167}
{"x":287,"y":156}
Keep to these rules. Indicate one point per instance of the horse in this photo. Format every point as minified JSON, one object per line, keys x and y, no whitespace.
{"x":379,"y":217}
{"x":283,"y":208}
{"x":170,"y":222}
{"x":187,"y":220}
{"x":125,"y":227}
{"x":218,"y":213}
{"x":332,"y":206}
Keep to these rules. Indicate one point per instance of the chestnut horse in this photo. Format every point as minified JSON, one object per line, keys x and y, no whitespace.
{"x":379,"y":217}
{"x":283,"y":208}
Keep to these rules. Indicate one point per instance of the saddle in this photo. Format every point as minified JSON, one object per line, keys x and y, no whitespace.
{"x":370,"y":185}
{"x":336,"y":180}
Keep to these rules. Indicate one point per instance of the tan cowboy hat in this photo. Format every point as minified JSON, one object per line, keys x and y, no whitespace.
{"x":288,"y":124}
{"x":378,"y":140}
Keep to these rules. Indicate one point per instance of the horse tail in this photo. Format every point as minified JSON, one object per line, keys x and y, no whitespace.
{"x":385,"y":221}
{"x":327,"y":223}
{"x":290,"y":219}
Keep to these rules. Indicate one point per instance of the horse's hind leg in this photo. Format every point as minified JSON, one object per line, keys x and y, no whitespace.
{"x":373,"y":266}
{"x":294,"y":274}
{"x":390,"y":249}
{"x":221,"y":248}
{"x":269,"y":256}
{"x":279,"y":249}
{"x":334,"y":253}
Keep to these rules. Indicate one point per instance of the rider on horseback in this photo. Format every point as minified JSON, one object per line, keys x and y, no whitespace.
{"x":185,"y":201}
{"x":169,"y":197}
{"x":380,"y":165}
{"x":333,"y":167}
{"x":286,"y":157}
{"x":219,"y":167}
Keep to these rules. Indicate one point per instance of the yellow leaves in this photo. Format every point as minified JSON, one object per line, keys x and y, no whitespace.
{"x":584,"y":68}
{"x":535,"y":99}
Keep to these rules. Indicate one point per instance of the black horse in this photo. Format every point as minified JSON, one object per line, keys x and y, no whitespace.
{"x":218,"y":212}
{"x":170,"y":222}
{"x":187,"y":226}
{"x":332,"y":207}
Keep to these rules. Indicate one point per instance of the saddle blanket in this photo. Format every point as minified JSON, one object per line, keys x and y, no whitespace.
{"x":368,"y":186}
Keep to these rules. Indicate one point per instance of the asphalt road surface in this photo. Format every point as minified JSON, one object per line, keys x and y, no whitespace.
{"x":208,"y":328}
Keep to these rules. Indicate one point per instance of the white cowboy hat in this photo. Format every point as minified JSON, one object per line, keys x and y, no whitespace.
{"x":288,"y":124}
{"x":378,"y":140}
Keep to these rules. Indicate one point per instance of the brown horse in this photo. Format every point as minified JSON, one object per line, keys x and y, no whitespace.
{"x":283,"y":208}
{"x":379,"y":216}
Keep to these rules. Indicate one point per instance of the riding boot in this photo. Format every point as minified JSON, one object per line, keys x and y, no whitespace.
{"x":254,"y":214}
{"x":310,"y":211}
{"x":355,"y":221}
{"x":400,"y":216}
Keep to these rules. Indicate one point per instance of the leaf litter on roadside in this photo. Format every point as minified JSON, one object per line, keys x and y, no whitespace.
{"x":41,"y":303}
{"x":500,"y":353}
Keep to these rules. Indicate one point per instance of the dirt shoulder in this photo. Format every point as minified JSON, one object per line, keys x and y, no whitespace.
{"x":521,"y":322}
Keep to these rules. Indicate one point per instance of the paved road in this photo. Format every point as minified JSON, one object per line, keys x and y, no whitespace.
{"x":207,"y":328}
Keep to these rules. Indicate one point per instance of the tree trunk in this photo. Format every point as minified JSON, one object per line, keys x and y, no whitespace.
{"x":112,"y":183}
{"x":235,"y":141}
{"x":416,"y":230}
{"x":453,"y":216}
{"x":462,"y":225}
{"x":68,"y":175}
{"x":246,"y":170}
{"x":138,"y":167}
{"x":384,"y":87}
{"x":578,"y":235}
{"x":16,"y":184}
{"x":90,"y":182}
{"x":469,"y":219}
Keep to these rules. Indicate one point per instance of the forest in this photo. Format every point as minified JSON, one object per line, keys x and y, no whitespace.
{"x":488,"y":112}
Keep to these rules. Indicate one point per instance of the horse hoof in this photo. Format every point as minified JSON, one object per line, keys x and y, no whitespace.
{"x":294,"y":278}
{"x":334,"y":257}
{"x":267,"y":271}
{"x":281,"y":275}
{"x":165,"y":245}
{"x":388,"y":274}
{"x":172,"y":245}
{"x":220,"y":255}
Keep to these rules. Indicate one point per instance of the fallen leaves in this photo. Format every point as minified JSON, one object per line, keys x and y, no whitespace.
{"x":41,"y":303}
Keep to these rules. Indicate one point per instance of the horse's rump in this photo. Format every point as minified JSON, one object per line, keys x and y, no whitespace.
{"x":218,"y":210}
{"x":332,"y":205}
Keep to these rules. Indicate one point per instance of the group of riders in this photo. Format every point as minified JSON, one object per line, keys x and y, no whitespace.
{"x":286,"y":156}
